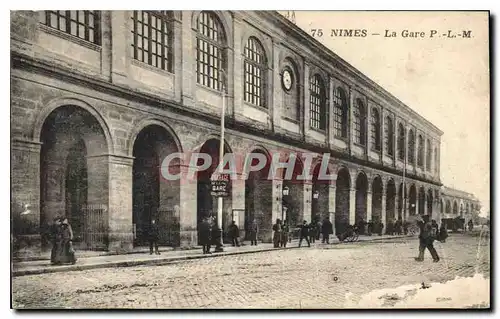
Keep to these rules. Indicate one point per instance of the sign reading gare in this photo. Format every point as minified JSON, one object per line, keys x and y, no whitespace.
{"x":220,"y":185}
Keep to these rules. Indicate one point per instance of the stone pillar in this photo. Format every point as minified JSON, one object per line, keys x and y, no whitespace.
{"x":188,"y":60}
{"x":188,"y":218}
{"x":368,"y":131}
{"x":384,"y":213}
{"x":238,"y":201}
{"x":25,"y":198}
{"x":395,"y":130}
{"x":119,"y":43}
{"x":120,"y":212}
{"x":307,"y":201}
{"x":331,"y":204}
{"x":306,"y":118}
{"x":425,"y":204}
{"x":382,"y":135}
{"x":352,"y":206}
{"x":368,"y":205}
{"x":350,"y":121}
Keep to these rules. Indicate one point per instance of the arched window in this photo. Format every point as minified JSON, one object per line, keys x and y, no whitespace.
{"x":429,"y":155}
{"x":436,"y":163}
{"x":420,"y":146}
{"x":359,"y":122}
{"x":341,"y":111}
{"x":210,"y":53}
{"x":401,"y":141}
{"x":153,"y":35}
{"x":375,"y":130}
{"x":389,"y":136}
{"x":255,"y":72}
{"x":317,"y":103}
{"x":411,"y":147}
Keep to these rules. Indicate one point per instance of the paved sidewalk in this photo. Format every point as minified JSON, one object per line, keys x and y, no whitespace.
{"x":136,"y":259}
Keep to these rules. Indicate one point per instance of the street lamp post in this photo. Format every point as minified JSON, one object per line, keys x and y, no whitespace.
{"x":220,"y":200}
{"x":315,"y":197}
{"x":286,"y":191}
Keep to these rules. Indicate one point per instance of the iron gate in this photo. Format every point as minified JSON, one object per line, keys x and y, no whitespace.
{"x":95,"y":227}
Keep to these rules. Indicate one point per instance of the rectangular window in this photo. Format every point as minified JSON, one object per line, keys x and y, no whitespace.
{"x":83,"y":24}
{"x":153,"y":36}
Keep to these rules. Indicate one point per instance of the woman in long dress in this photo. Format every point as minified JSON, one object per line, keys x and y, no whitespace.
{"x":55,"y":254}
{"x":68,"y":253}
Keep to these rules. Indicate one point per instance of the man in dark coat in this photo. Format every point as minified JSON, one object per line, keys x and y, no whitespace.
{"x":254,"y":230}
{"x":205,"y":234}
{"x":312,"y":232}
{"x":326,"y":230}
{"x":285,"y":229}
{"x":304,"y":233}
{"x":234,"y":234}
{"x":428,"y":233}
{"x":277,"y":233}
{"x":154,"y":235}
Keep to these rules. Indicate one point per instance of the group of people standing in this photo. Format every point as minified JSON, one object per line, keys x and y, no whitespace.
{"x":62,"y":242}
{"x":310,"y":232}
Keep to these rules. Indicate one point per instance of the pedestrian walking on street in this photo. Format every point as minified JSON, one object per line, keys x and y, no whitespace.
{"x":285,"y":229}
{"x":304,"y":233}
{"x":205,"y":235}
{"x":234,"y":234}
{"x":64,"y":252}
{"x":428,"y":233}
{"x":277,"y":233}
{"x":326,"y":230}
{"x":254,"y":230}
{"x":154,"y":235}
{"x":312,"y":232}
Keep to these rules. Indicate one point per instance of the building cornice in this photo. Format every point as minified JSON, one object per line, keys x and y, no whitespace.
{"x":344,"y":66}
{"x":31,"y":64}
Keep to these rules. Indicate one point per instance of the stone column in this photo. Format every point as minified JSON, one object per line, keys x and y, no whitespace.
{"x":238,"y":201}
{"x":352,"y":206}
{"x":119,"y":43}
{"x":368,"y":205}
{"x":25,"y":198}
{"x":368,"y":131}
{"x":384,"y":213}
{"x":382,"y":135}
{"x":331,"y":204}
{"x":306,"y":106}
{"x":188,"y":60}
{"x":307,"y":201}
{"x":350,"y":121}
{"x":188,"y":215}
{"x":120,"y":212}
{"x":330,"y":134}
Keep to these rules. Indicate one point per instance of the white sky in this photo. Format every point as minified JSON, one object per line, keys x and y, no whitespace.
{"x":444,"y":80}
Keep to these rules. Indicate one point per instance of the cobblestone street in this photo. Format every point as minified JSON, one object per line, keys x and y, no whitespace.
{"x":317,"y":277}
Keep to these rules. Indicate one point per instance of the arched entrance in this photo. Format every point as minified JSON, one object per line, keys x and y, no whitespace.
{"x":207,"y":205}
{"x":154,"y":197}
{"x":319,"y":195}
{"x":413,"y":200}
{"x":342,"y":200}
{"x":294,"y":202}
{"x":74,"y":176}
{"x":421,"y":201}
{"x":377,"y":189}
{"x":258,"y":199}
{"x":361,"y":198}
{"x":390,"y":202}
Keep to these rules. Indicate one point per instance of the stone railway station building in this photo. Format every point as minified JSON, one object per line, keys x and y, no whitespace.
{"x":99,"y":98}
